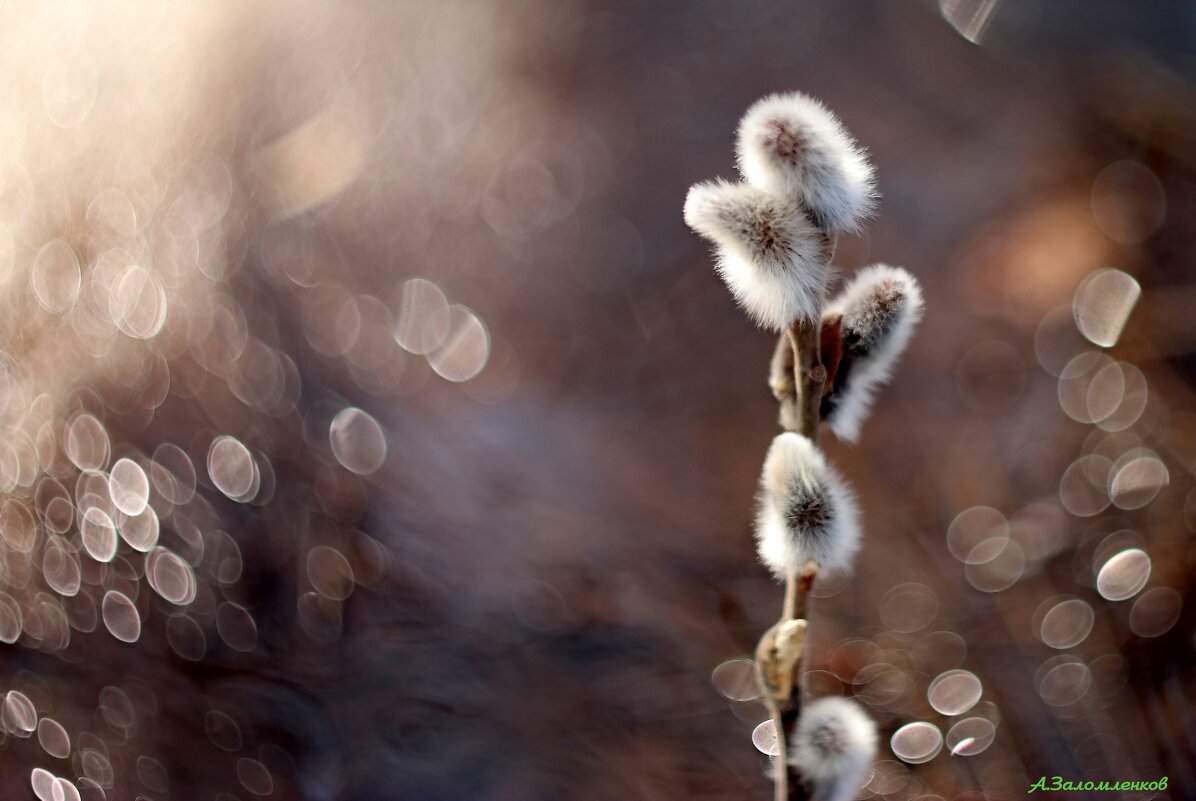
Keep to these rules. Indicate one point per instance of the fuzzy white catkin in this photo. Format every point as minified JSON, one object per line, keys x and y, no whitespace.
{"x":833,"y":747}
{"x":793,"y":145}
{"x":770,"y":255}
{"x":880,"y":307}
{"x":807,"y":511}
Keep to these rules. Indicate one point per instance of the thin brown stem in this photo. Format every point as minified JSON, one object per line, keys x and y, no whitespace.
{"x":779,"y":656}
{"x":797,"y":592}
{"x":808,"y":373}
{"x":777,"y":659}
{"x":789,"y":609}
{"x":802,"y":583}
{"x":810,"y":378}
{"x":780,"y":381}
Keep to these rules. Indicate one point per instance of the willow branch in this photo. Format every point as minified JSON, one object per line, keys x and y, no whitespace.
{"x":798,"y":380}
{"x":781,"y":382}
{"x":809,"y":375}
{"x":800,"y":592}
{"x":780,"y":653}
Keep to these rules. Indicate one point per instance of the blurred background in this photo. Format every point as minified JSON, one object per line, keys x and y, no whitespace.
{"x":374,"y":428}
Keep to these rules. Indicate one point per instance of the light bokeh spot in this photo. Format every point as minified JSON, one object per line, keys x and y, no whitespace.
{"x":916,"y":743}
{"x":1063,"y":680}
{"x":466,"y":346}
{"x":98,"y":533}
{"x":909,"y":607}
{"x":1124,"y":575}
{"x":764,"y":737}
{"x":138,"y":303}
{"x":87,"y":444}
{"x":330,"y":572}
{"x":995,"y":564}
{"x":1102,"y":305}
{"x":42,"y":781}
{"x":140,"y":531}
{"x":170,"y":576}
{"x":971,"y":736}
{"x":954,"y":692}
{"x":422,"y":325}
{"x":129,"y":486}
{"x":231,"y":467}
{"x":1136,"y":482}
{"x":1083,"y":486}
{"x":358,"y":441}
{"x":254,"y":776}
{"x":735,"y":680}
{"x":223,"y":731}
{"x":120,"y":616}
{"x":236,"y":627}
{"x":19,"y":714}
{"x":56,"y":277}
{"x":1156,"y":612}
{"x":186,"y":637}
{"x":973,"y":526}
{"x":1066,"y":624}
{"x":970,"y":18}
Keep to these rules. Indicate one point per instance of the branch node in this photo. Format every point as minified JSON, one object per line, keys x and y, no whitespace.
{"x":777,"y":657}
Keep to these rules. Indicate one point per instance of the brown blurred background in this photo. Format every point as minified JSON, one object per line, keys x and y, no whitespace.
{"x":375,"y":429}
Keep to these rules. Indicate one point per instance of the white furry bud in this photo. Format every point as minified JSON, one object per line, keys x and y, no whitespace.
{"x":807,"y":511}
{"x":880,"y":308}
{"x":769,"y":254}
{"x":793,"y":145}
{"x":833,"y":747}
